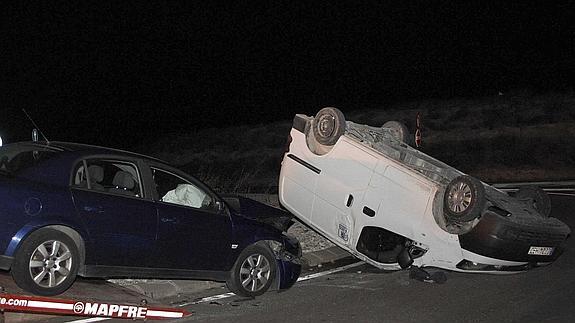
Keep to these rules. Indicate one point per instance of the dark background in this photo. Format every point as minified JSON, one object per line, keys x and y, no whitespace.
{"x":123,"y":74}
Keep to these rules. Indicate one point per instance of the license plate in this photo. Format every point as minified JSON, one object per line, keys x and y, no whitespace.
{"x":540,"y":251}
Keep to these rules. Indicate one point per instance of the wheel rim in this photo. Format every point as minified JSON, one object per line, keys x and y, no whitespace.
{"x":459,"y":198}
{"x":50,"y":263}
{"x":326,"y":126}
{"x":255,"y":272}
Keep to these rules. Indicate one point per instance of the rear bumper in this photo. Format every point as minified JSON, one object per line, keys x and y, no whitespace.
{"x":496,"y":237}
{"x":6,"y":262}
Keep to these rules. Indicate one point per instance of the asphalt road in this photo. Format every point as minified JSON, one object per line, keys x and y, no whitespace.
{"x":365,"y":294}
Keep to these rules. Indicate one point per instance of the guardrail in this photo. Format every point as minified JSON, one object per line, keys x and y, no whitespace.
{"x":548,"y":186}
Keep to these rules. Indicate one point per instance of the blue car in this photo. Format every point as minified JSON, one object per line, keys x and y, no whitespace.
{"x":70,"y":210}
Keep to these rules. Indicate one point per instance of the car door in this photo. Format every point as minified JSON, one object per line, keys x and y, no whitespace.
{"x":398,"y":197}
{"x":121,"y":223}
{"x":192,"y":233}
{"x":341,"y":187}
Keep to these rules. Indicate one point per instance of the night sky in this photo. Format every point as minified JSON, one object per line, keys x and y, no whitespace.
{"x":121,"y":74}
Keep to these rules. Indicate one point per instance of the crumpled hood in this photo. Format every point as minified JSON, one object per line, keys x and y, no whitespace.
{"x":260,"y":212}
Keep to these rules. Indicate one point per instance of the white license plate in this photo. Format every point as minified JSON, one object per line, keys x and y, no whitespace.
{"x":541,"y":251}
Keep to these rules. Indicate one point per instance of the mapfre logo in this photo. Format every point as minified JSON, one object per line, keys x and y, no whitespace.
{"x":79,"y":308}
{"x":110,"y":310}
{"x":45,"y":305}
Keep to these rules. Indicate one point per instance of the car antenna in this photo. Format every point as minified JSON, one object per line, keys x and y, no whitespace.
{"x":34,"y":135}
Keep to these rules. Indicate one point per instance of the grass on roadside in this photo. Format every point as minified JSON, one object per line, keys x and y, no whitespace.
{"x":513,"y":137}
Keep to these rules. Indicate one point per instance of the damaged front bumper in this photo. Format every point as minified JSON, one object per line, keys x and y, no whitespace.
{"x":288,"y":254}
{"x":527,"y":243}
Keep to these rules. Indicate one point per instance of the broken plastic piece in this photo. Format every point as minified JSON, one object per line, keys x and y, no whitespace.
{"x":421,"y":274}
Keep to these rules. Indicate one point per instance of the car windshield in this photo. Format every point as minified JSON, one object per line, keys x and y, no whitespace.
{"x":14,"y":159}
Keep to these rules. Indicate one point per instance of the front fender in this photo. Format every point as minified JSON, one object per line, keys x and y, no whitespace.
{"x":288,"y":274}
{"x":289,"y":262}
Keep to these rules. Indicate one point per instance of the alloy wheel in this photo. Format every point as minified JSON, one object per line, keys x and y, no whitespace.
{"x":50,"y":263}
{"x":255,"y":272}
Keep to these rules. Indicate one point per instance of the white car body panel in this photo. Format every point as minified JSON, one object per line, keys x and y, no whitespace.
{"x":381,"y":184}
{"x":355,"y":185}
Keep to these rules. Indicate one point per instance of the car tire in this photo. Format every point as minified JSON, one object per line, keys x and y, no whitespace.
{"x":253,"y":271}
{"x":464,"y":199}
{"x":398,"y":130}
{"x":537,"y":197}
{"x":46,"y":263}
{"x":328,"y":125}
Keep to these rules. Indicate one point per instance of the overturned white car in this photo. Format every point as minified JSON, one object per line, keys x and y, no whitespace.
{"x":393,"y":206}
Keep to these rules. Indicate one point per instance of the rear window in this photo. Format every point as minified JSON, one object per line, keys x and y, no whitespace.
{"x":113,"y":176}
{"x":15,"y":159}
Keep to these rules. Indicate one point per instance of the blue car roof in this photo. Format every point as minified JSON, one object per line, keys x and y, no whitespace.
{"x":86,"y":149}
{"x":57,"y":169}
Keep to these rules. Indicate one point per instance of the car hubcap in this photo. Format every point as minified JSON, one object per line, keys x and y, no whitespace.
{"x":255,"y":272}
{"x":326,"y":126}
{"x":50,"y":263}
{"x":459,"y":198}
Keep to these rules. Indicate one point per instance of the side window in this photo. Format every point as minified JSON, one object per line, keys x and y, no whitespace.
{"x":15,"y":159}
{"x":111,"y":176}
{"x":176,"y":190}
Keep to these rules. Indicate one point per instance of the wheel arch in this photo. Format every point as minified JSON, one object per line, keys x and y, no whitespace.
{"x":235,"y":281}
{"x":25,"y":232}
{"x":288,"y":261}
{"x":266,"y":242}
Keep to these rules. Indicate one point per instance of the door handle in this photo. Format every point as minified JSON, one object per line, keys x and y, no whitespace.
{"x":170,"y":220}
{"x":369,"y":212}
{"x":93,"y":209}
{"x":349,"y":201}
